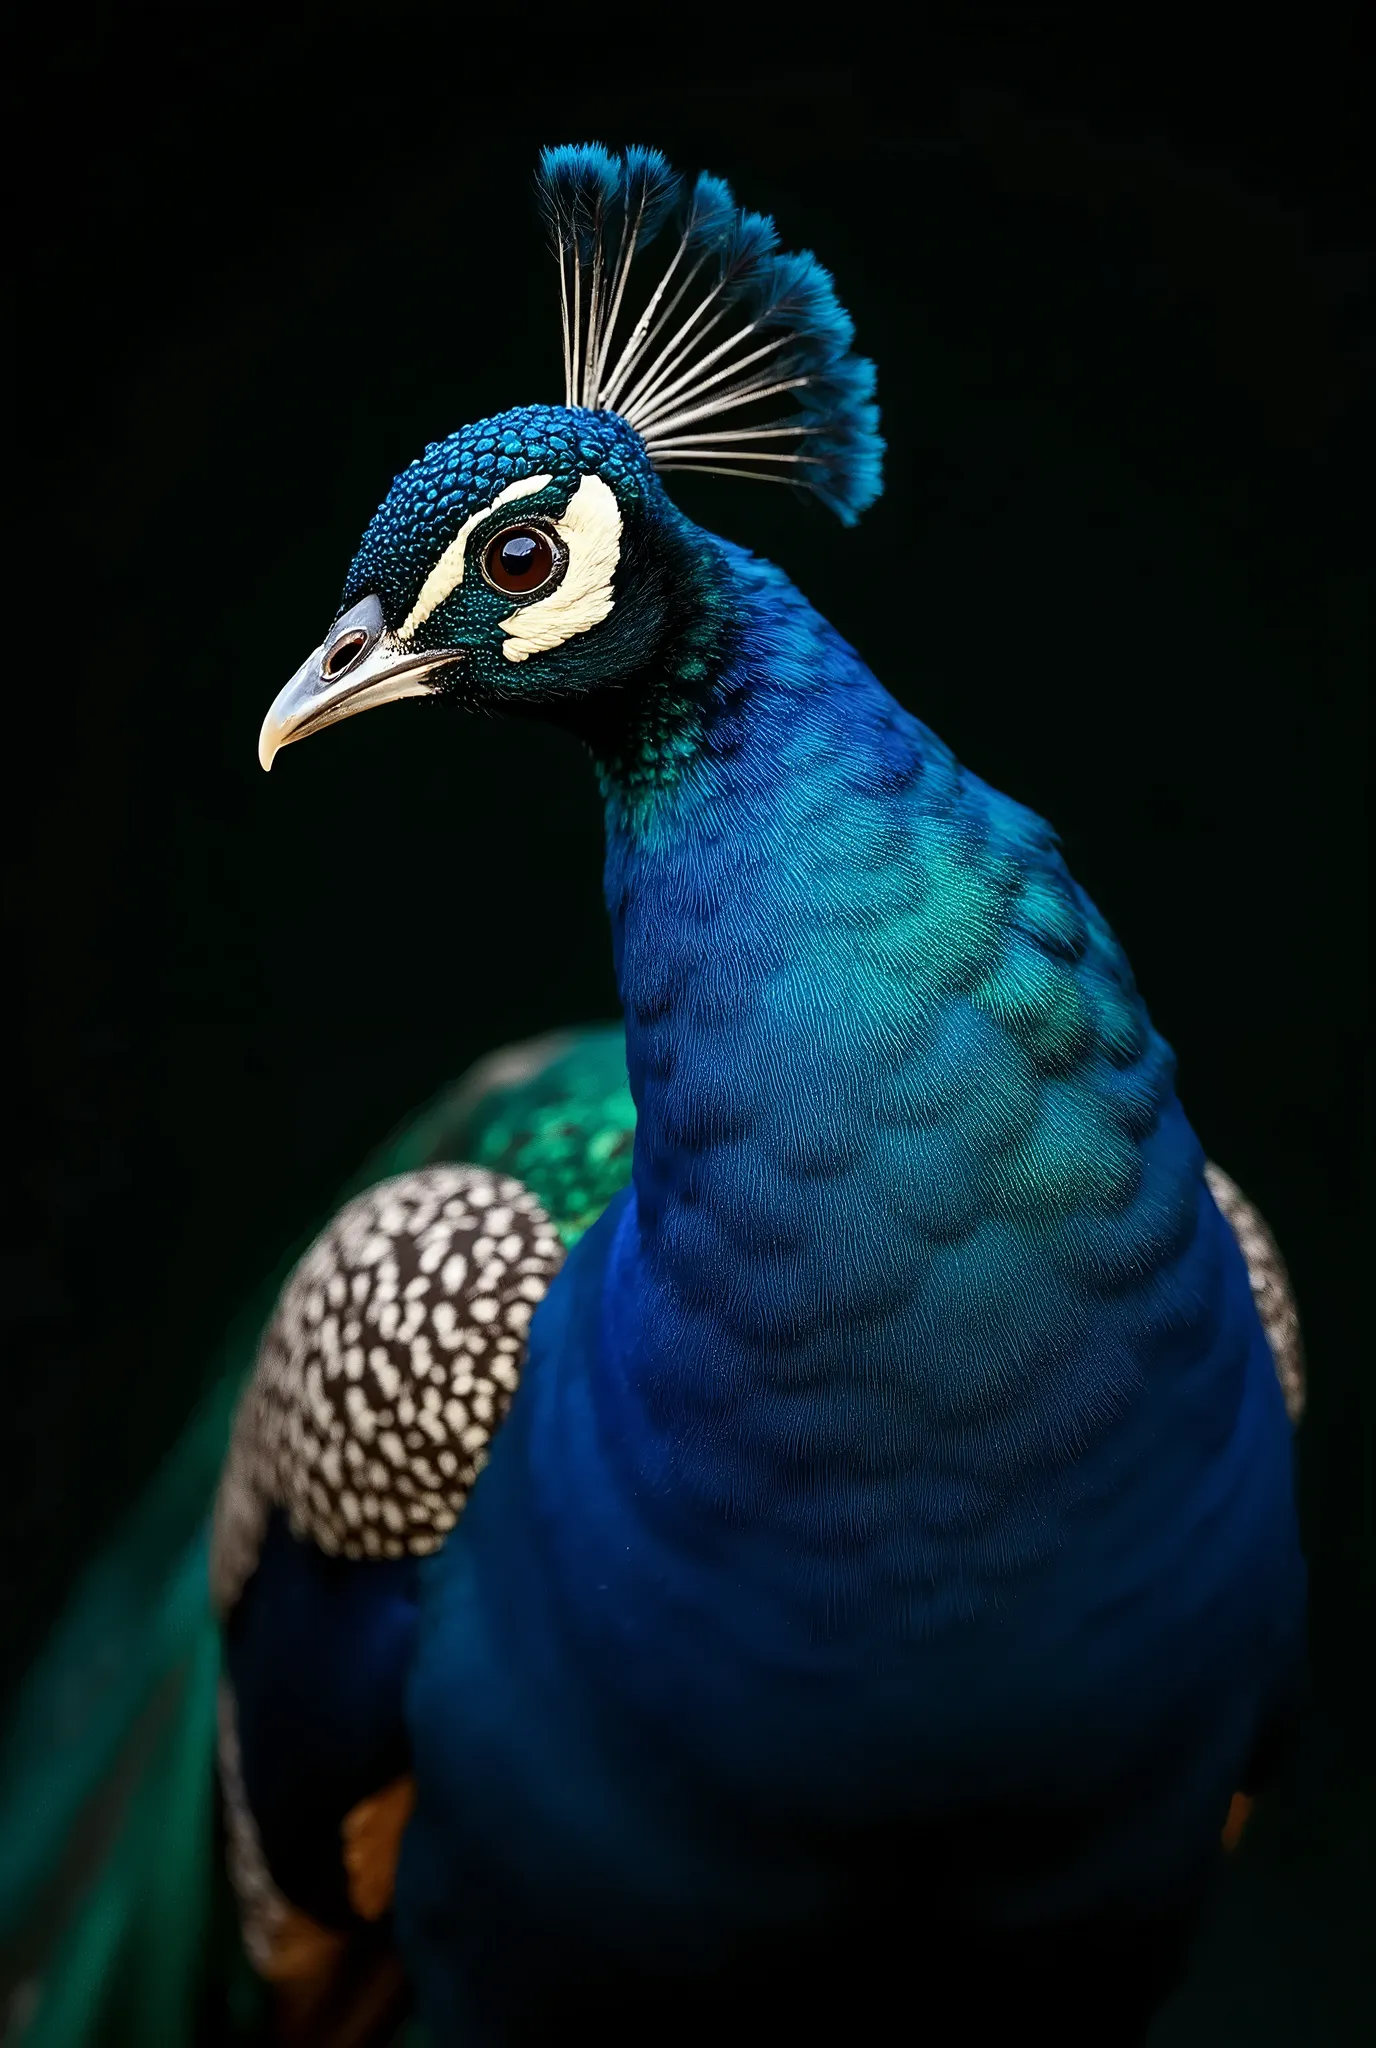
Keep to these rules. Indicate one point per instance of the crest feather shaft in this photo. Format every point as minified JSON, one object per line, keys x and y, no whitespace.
{"x":731,"y":323}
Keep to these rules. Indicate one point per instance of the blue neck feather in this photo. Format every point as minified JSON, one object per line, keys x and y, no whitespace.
{"x":904,"y":1132}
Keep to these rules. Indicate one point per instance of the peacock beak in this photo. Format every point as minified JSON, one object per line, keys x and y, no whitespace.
{"x":360,"y":665}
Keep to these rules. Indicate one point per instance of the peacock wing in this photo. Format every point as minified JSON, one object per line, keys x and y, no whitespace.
{"x":1271,"y":1288}
{"x":389,"y":1364}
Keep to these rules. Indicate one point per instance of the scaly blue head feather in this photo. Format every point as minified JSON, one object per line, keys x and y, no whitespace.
{"x":613,"y":640}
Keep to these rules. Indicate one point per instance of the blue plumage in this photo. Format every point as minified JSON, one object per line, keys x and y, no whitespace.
{"x":888,"y":1567}
{"x":903,"y":1445}
{"x":316,"y":1653}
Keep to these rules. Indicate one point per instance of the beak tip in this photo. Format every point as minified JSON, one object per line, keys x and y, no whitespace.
{"x":312,"y":699}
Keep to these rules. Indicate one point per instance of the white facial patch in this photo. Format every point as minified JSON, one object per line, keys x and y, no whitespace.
{"x":591,"y":531}
{"x":447,"y":573}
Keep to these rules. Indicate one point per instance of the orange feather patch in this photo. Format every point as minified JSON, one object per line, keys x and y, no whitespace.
{"x":1238,"y":1811}
{"x":372,"y":1835}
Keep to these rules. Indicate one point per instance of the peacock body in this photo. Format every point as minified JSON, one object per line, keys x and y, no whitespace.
{"x":899,"y":1483}
{"x":869,"y":1557}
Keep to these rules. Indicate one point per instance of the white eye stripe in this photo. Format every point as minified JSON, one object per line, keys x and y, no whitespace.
{"x":591,"y":531}
{"x":447,"y":574}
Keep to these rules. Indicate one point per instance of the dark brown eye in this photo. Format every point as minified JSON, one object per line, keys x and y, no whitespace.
{"x":343,"y":654}
{"x":520,"y":560}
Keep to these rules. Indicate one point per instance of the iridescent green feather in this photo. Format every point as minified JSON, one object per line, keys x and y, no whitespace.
{"x":555,"y":1112}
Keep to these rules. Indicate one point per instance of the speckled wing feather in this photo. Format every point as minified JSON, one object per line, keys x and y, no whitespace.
{"x":390,"y":1361}
{"x":1271,"y":1289}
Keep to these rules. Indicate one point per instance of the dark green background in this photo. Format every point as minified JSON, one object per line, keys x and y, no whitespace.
{"x":1119,"y":297}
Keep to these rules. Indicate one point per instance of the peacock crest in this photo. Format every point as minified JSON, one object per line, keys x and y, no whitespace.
{"x":733,"y":327}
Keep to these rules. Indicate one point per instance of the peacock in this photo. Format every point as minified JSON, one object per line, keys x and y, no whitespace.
{"x":747,"y":1516}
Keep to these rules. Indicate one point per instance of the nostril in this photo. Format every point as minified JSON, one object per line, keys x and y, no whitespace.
{"x":343,"y":654}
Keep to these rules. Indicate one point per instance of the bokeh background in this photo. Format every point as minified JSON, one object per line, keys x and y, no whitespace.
{"x":1119,"y":294}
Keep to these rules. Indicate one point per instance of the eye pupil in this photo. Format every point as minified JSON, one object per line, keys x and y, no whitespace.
{"x":518,"y":554}
{"x":520,"y":560}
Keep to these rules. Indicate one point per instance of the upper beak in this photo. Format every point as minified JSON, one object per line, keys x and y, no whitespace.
{"x":360,"y":665}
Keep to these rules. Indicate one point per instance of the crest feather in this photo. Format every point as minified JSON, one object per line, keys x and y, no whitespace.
{"x":732,"y":325}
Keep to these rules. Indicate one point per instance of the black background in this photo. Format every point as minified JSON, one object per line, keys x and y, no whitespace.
{"x":1119,"y":295}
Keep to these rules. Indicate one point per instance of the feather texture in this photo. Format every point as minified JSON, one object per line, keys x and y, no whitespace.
{"x":732,"y":326}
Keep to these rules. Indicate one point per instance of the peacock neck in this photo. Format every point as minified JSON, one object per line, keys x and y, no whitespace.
{"x":896,"y":1097}
{"x":753,"y":893}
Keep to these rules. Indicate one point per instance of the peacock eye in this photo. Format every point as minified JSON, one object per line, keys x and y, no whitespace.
{"x":520,"y":561}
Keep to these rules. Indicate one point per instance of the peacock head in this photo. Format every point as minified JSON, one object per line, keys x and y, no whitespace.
{"x":535,"y":560}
